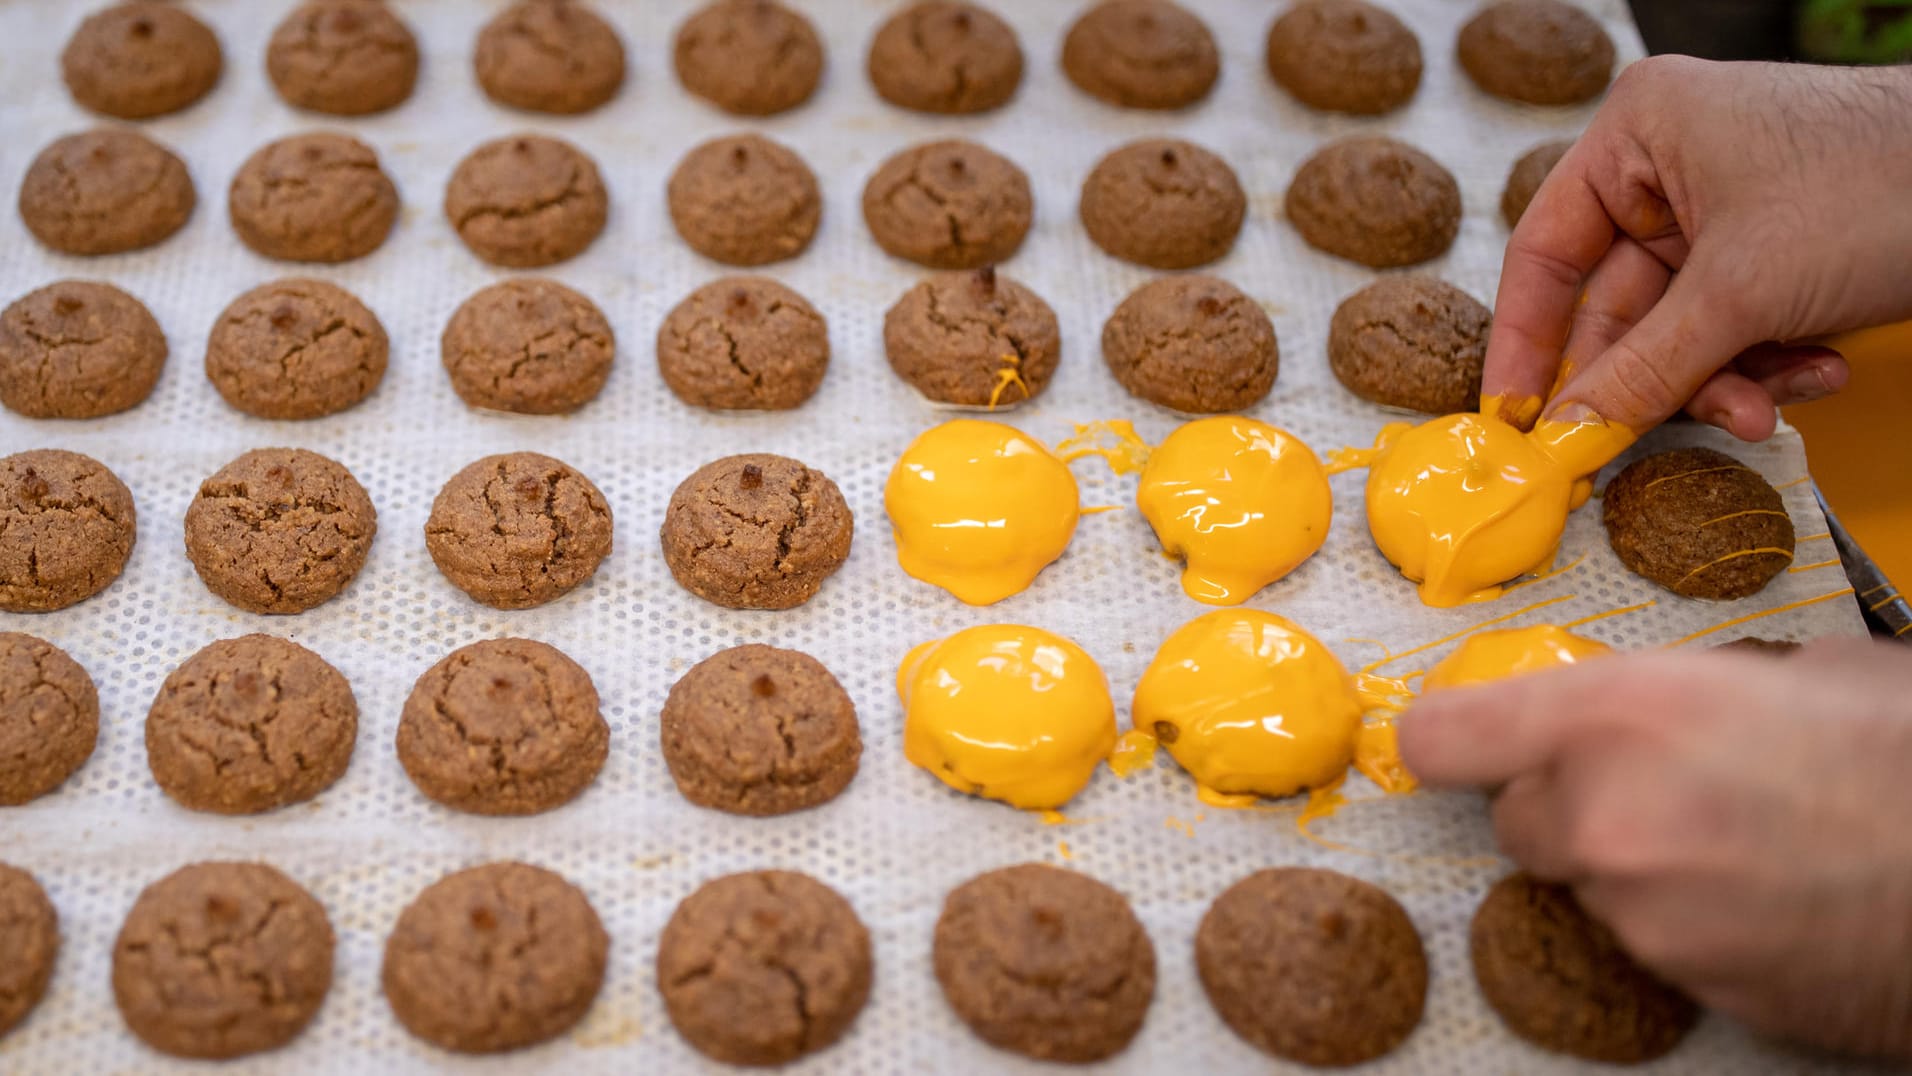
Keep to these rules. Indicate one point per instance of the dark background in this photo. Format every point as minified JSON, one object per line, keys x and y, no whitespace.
{"x":1717,"y":29}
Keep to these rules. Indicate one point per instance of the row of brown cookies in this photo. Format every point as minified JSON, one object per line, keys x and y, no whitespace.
{"x":764,"y":967}
{"x":758,"y":57}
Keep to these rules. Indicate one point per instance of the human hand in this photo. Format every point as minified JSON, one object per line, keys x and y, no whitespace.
{"x":1742,"y":822}
{"x":1710,"y":214}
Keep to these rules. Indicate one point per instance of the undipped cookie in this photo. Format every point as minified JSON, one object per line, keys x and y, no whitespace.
{"x":549,"y":56}
{"x":1525,"y":178}
{"x":49,"y":723}
{"x":279,"y":530}
{"x":764,"y":967}
{"x":528,"y":345}
{"x":1141,"y":54}
{"x":1541,"y":52}
{"x":313,"y":198}
{"x":503,"y":727}
{"x":1046,"y":962}
{"x":756,"y":532}
{"x":250,"y":724}
{"x":751,"y":57}
{"x":296,"y":349}
{"x":1344,"y":56}
{"x":518,"y":530}
{"x":78,"y":349}
{"x":743,"y":343}
{"x":976,"y":339}
{"x":945,"y":56}
{"x":495,"y":958}
{"x":744,"y":200}
{"x":949,"y":205}
{"x":105,"y":191}
{"x":1375,"y":201}
{"x":1192,"y":343}
{"x":343,"y":57}
{"x":527,"y":201}
{"x":30,"y":938}
{"x":220,"y":960}
{"x":67,"y":526}
{"x":755,"y":730}
{"x":1699,"y":523}
{"x":1412,"y":342}
{"x":136,"y":60}
{"x":1163,"y":203}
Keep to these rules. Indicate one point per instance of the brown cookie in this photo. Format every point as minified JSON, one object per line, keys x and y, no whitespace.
{"x":78,"y":349}
{"x":1375,"y":201}
{"x":343,"y":57}
{"x":1412,"y":342}
{"x":495,"y":958}
{"x":764,"y":967}
{"x":1345,"y":56}
{"x":1542,"y":52}
{"x":313,"y":198}
{"x":1163,"y":203}
{"x":949,"y":205}
{"x":295,"y":349}
{"x":1312,"y":966}
{"x":528,"y":345}
{"x":755,"y":730}
{"x":136,"y":60}
{"x":743,"y":343}
{"x":1192,"y":343}
{"x":518,"y":530}
{"x":549,"y":56}
{"x":756,"y":532}
{"x":1046,"y":962}
{"x":105,"y":191}
{"x":1528,"y":173}
{"x":503,"y":727}
{"x":221,"y":960}
{"x":527,"y":201}
{"x":744,"y":200}
{"x":251,"y":724}
{"x":1755,"y":644}
{"x":49,"y":722}
{"x":279,"y":530}
{"x":1699,"y":523}
{"x":945,"y":56}
{"x":976,"y":339}
{"x":1141,"y":54}
{"x":67,"y":526}
{"x":30,"y":938}
{"x":1561,"y":981}
{"x":751,"y":57}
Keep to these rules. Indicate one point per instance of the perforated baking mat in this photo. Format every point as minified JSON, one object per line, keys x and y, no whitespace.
{"x":897,"y":841}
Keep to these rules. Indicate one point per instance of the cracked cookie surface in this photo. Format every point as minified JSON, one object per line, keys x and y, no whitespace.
{"x":250,"y":724}
{"x":751,"y":57}
{"x":220,"y":960}
{"x":495,"y":958}
{"x":503,"y":727}
{"x":743,"y":343}
{"x":518,"y":530}
{"x":1526,"y":176}
{"x":1344,"y":56}
{"x":1542,"y":52}
{"x":976,"y":339}
{"x":137,"y":60}
{"x":30,"y":938}
{"x":756,"y":531}
{"x":949,"y":205}
{"x":744,"y":200}
{"x":313,"y":198}
{"x":1141,"y":54}
{"x":67,"y":526}
{"x":755,"y":730}
{"x":78,"y":349}
{"x":764,"y":967}
{"x":1192,"y":343}
{"x":945,"y":56}
{"x":343,"y":57}
{"x":105,"y":191}
{"x":1699,"y":523}
{"x":279,"y":530}
{"x":49,"y":721}
{"x":1413,"y":342}
{"x":1046,"y":962}
{"x":549,"y":56}
{"x":1163,"y":203}
{"x":526,"y":201}
{"x":528,"y":345}
{"x":296,"y":349}
{"x":1375,"y":201}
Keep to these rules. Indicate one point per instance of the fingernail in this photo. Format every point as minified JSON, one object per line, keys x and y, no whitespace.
{"x":1720,"y":419}
{"x":1809,"y":383}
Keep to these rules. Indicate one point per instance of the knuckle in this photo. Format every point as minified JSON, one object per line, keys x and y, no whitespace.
{"x":1639,"y":384}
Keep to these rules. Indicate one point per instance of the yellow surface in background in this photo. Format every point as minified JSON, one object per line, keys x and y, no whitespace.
{"x":1859,"y":445}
